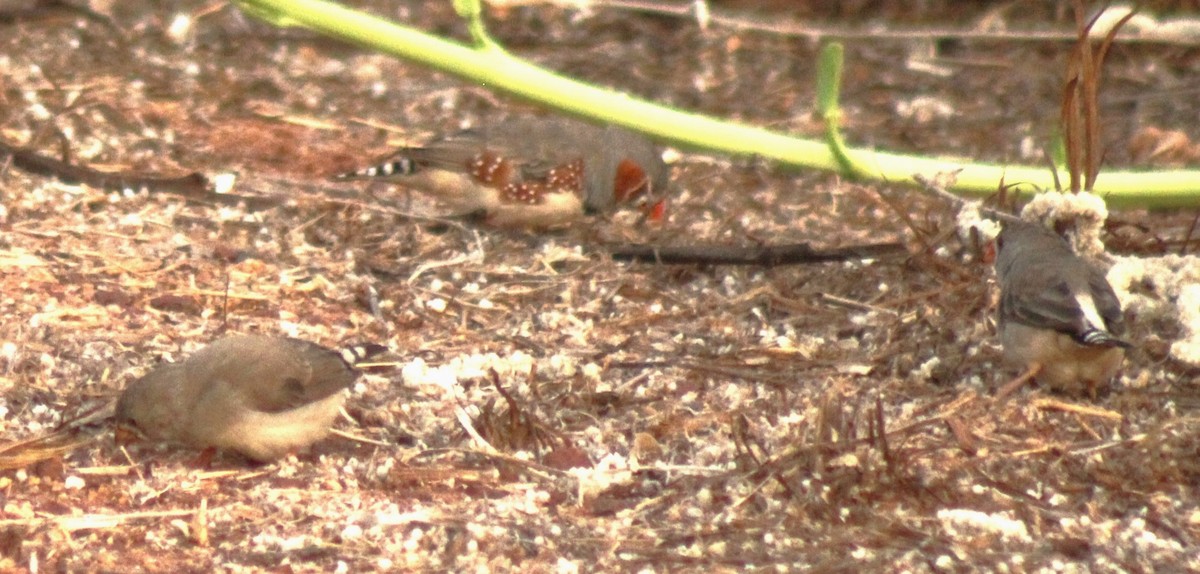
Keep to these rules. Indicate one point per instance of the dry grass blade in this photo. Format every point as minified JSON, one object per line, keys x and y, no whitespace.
{"x":24,"y":453}
{"x":1087,"y":410}
{"x":516,"y":428}
{"x":1080,"y":114}
{"x":879,"y":429}
{"x":93,"y":521}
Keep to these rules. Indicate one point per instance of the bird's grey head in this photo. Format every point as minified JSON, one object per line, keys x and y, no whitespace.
{"x":146,"y":405}
{"x":627,"y":168}
{"x":1018,"y":239}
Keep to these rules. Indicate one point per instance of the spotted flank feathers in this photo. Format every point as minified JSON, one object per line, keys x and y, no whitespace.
{"x":566,"y":178}
{"x":516,"y":183}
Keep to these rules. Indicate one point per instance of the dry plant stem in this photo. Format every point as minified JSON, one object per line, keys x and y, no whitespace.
{"x":962,"y":435}
{"x":1080,"y":107}
{"x":460,"y":414}
{"x":25,"y":453}
{"x":762,"y":256}
{"x":35,"y":163}
{"x":933,"y":187}
{"x":1086,"y":410}
{"x":94,"y":521}
{"x":775,"y":463}
{"x":200,"y":523}
{"x":856,"y":305}
{"x":1187,"y":239}
{"x":135,"y":466}
{"x":362,"y":439}
{"x":879,"y":433}
{"x":543,"y":472}
{"x":62,"y":440}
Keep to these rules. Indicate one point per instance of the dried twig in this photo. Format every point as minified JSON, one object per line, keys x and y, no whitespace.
{"x":879,"y":426}
{"x":200,"y":523}
{"x":93,"y":521}
{"x":935,"y":188}
{"x":1012,"y":386}
{"x":1056,"y":405}
{"x":760,"y":255}
{"x":33,"y":162}
{"x":538,"y":470}
{"x":856,"y":305}
{"x":357,"y":438}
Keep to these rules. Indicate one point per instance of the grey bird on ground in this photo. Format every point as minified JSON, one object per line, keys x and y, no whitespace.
{"x":1058,"y":314}
{"x":531,"y":172}
{"x":263,"y":397}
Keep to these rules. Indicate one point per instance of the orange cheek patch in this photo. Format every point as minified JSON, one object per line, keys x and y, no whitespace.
{"x":631,"y":181}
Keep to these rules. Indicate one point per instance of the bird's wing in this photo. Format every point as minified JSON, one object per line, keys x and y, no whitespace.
{"x":526,"y":161}
{"x":536,"y":146}
{"x":1106,"y":302}
{"x":1047,"y":304}
{"x":452,"y":152}
{"x":274,"y":375}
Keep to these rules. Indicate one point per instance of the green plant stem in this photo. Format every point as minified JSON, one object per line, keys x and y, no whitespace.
{"x":496,"y":69}
{"x":829,"y":89}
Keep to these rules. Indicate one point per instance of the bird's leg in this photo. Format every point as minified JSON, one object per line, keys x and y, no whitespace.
{"x":1011,"y":386}
{"x":205,"y":458}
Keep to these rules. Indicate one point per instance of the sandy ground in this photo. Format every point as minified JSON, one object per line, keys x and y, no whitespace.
{"x":823,"y":418}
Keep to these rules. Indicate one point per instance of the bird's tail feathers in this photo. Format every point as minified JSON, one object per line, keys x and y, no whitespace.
{"x":355,"y":354}
{"x":395,"y":166}
{"x":1101,"y":338}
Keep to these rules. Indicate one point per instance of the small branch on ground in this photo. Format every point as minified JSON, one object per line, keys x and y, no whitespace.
{"x":39,"y":164}
{"x":759,"y":255}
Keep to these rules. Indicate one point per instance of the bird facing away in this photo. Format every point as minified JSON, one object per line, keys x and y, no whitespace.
{"x":1058,"y":314}
{"x":264,"y":397}
{"x":531,"y":172}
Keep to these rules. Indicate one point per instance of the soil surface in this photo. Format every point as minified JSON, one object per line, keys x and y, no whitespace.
{"x":641,"y":417}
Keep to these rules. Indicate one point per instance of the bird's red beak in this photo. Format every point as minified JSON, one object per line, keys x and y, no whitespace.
{"x":656,"y":211}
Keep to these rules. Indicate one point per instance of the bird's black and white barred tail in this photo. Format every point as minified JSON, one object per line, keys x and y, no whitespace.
{"x":1100,"y":338}
{"x":390,"y":168}
{"x":356,"y":354}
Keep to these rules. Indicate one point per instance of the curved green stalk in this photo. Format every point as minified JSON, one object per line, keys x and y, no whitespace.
{"x":829,"y":88}
{"x":472,"y":12}
{"x":493,"y":68}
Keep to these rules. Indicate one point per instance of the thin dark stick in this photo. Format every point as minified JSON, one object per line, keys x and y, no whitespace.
{"x":1188,"y":238}
{"x":38,"y":164}
{"x":762,"y":255}
{"x":932,"y":187}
